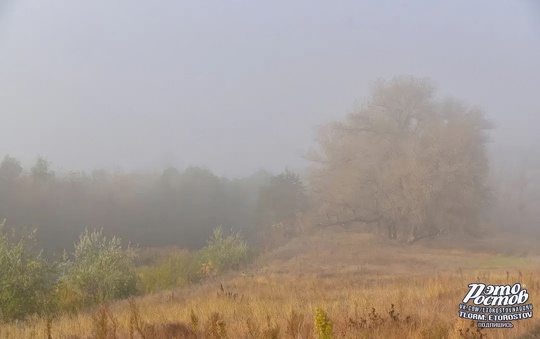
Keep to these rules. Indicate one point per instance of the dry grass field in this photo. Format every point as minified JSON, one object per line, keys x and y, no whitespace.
{"x":332,"y":284}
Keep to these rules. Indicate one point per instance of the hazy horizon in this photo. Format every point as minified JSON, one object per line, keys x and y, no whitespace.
{"x":236,"y":87}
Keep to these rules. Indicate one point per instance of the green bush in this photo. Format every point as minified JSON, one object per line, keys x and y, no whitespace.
{"x":222,"y":254}
{"x":323,"y":324}
{"x":171,"y":272}
{"x":26,"y":279}
{"x":99,"y":270}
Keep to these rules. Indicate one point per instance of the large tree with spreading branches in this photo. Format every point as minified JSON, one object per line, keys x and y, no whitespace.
{"x":406,"y":161}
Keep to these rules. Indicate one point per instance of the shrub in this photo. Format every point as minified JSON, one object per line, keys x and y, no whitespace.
{"x":26,"y":279}
{"x":99,"y":270}
{"x":171,"y":272}
{"x":323,"y":324}
{"x":222,"y":254}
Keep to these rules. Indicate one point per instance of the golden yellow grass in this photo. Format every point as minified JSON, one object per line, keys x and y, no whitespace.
{"x":355,"y":278}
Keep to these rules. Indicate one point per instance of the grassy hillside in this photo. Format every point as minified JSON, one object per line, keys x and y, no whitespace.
{"x":367,"y":287}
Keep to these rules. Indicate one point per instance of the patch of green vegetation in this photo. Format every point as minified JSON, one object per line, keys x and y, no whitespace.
{"x":505,"y":262}
{"x":25,"y":276}
{"x":171,"y":272}
{"x":100,"y":270}
{"x":221,"y":254}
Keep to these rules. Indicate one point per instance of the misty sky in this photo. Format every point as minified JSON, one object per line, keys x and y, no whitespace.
{"x":236,"y":86}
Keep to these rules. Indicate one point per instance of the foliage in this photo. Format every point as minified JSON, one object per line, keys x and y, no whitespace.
{"x":222,"y":253}
{"x":173,"y":207}
{"x":41,"y":170}
{"x":323,"y":324}
{"x":281,"y":199}
{"x":273,"y":295}
{"x":99,"y":270}
{"x":10,"y":169}
{"x":279,"y":211}
{"x":406,"y":161}
{"x":173,"y":271}
{"x":25,"y":276}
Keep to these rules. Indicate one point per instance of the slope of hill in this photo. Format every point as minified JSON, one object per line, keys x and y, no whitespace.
{"x":367,"y":287}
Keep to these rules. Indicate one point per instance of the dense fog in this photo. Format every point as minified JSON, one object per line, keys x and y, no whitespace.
{"x":161,"y":121}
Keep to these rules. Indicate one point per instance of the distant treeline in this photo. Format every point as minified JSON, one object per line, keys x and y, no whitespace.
{"x":405,"y":164}
{"x":174,"y":207}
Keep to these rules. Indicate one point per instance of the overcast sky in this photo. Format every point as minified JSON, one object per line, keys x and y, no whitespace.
{"x":236,"y":86}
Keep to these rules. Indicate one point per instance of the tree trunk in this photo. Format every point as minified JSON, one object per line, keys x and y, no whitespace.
{"x":392,"y":231}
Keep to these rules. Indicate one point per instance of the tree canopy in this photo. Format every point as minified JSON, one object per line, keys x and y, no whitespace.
{"x":405,"y":160}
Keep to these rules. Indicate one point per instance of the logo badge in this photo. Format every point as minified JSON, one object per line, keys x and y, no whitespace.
{"x":495,"y":306}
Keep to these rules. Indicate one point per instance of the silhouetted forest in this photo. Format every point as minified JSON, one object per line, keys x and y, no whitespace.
{"x":175,"y":207}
